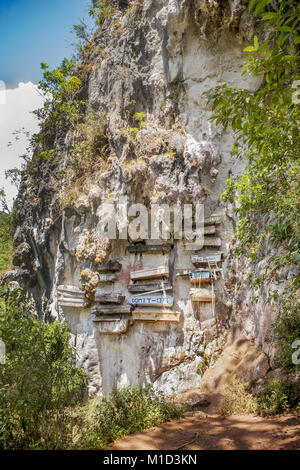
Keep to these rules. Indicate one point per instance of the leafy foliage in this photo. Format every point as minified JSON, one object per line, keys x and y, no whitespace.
{"x":266,"y":126}
{"x":39,"y":380}
{"x":277,"y":396}
{"x":5,"y":241}
{"x":60,"y":87}
{"x":127,"y":411}
{"x":286,"y":332}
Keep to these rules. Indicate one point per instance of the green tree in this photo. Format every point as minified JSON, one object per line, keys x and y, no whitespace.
{"x":266,"y":126}
{"x":39,"y":382}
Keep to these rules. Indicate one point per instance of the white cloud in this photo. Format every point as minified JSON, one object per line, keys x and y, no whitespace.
{"x":15,"y":114}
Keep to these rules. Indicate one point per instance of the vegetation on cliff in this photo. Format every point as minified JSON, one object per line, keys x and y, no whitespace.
{"x":266,"y":127}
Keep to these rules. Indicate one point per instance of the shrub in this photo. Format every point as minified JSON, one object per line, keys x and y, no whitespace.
{"x":286,"y":331}
{"x":127,"y":411}
{"x":277,"y":396}
{"x":39,"y":383}
{"x":237,"y":399}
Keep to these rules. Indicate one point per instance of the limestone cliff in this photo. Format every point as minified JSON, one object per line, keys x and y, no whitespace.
{"x":145,"y":75}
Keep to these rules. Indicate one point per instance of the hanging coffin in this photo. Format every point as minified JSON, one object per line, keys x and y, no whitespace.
{"x":109,"y":298}
{"x":140,"y":315}
{"x":153,"y":300}
{"x":107,"y":277}
{"x":212,"y":241}
{"x":201,"y":295}
{"x":109,"y":266}
{"x":150,"y":273}
{"x":111,"y":310}
{"x":71,"y":296}
{"x":200,"y":276}
{"x":206,"y":256}
{"x":112,"y":327}
{"x":140,"y":288}
{"x":213,"y":219}
{"x":149,"y":248}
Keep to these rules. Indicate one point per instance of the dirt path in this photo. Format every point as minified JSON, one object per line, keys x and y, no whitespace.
{"x":212,"y":432}
{"x":206,"y":429}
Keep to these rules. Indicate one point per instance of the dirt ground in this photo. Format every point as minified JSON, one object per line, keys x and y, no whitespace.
{"x":206,"y":429}
{"x":212,"y":432}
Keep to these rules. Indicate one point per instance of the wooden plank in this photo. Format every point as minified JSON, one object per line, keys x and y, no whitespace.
{"x":113,"y":327}
{"x":153,"y":300}
{"x":150,"y":273}
{"x":109,"y":298}
{"x":71,"y":303}
{"x":201,"y":295}
{"x":111,"y":310}
{"x":213,"y":219}
{"x":107,"y":277}
{"x":158,"y":316}
{"x":109,"y":266}
{"x":183,"y":272}
{"x":212,"y":241}
{"x":204,"y":258}
{"x":200,"y":276}
{"x":139,"y":288}
{"x":164,"y":248}
{"x":209,"y":230}
{"x":70,"y":291}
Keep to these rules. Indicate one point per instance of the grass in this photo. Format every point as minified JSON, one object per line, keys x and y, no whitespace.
{"x":277,"y":396}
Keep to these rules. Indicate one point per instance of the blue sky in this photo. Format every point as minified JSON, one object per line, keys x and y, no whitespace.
{"x":33,"y":31}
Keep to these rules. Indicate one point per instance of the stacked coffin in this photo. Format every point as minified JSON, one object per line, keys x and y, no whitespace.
{"x":111,"y":316}
{"x":71,"y":296}
{"x":150,"y":289}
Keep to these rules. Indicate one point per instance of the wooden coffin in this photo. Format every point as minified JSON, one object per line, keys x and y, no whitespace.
{"x":204,"y":257}
{"x":153,"y":300}
{"x":109,"y":277}
{"x":109,"y":266}
{"x":109,"y":298}
{"x":150,"y":273}
{"x":139,"y":315}
{"x":71,"y":303}
{"x":140,"y":288}
{"x":209,"y":230}
{"x":165,"y":248}
{"x":200,"y":276}
{"x":201,"y":295}
{"x":71,"y":296}
{"x":212,"y":241}
{"x":213,"y":219}
{"x":113,"y":327}
{"x":111,"y":310}
{"x":183,"y":272}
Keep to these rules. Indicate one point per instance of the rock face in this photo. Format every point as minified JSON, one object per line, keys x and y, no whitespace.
{"x":148,"y":67}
